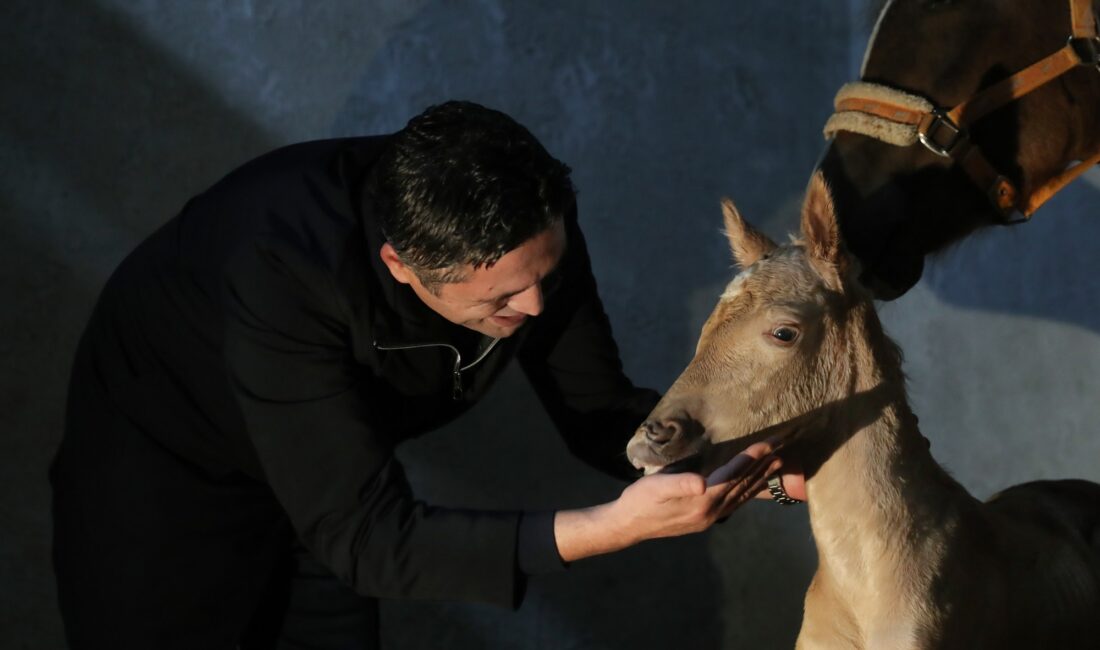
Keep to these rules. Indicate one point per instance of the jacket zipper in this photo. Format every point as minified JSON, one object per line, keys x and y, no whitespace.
{"x":456,"y":373}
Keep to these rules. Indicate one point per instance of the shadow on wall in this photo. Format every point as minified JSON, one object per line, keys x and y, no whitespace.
{"x":1047,"y":268}
{"x":104,"y":136}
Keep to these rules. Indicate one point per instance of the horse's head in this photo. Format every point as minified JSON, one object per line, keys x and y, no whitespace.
{"x":776,"y":349}
{"x":896,"y":204}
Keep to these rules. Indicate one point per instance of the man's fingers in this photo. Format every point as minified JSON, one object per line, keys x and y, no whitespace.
{"x":731,"y":470}
{"x":741,"y":463}
{"x":794,"y":483}
{"x":740,"y":468}
{"x":754,"y":480}
{"x":732,"y":476}
{"x":737,"y":498}
{"x":762,"y":448}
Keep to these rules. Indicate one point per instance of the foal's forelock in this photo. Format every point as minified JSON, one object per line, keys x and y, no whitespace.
{"x":736,"y":285}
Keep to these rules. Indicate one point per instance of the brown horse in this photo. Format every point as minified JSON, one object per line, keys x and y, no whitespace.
{"x":906,"y":557}
{"x":1003,"y":96}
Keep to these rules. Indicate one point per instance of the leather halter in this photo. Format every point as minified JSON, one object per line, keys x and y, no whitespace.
{"x":944,"y":132}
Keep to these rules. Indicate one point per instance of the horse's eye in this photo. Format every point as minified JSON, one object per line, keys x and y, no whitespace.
{"x":785,"y":334}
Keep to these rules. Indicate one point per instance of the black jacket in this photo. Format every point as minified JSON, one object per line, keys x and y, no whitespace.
{"x":258,"y":332}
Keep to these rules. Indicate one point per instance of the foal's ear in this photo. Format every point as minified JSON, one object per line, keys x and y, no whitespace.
{"x":820,"y":229}
{"x":747,"y":243}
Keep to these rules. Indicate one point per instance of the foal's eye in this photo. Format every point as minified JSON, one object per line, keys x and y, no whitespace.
{"x":785,"y":334}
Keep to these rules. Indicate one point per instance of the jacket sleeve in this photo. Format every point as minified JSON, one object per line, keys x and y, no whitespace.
{"x":573,"y":363}
{"x":306,"y":411}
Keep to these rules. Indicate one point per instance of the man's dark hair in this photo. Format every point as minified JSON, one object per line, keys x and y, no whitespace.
{"x":464,"y":184}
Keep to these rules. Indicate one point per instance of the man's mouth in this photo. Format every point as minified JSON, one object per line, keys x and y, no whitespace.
{"x":509,"y":321}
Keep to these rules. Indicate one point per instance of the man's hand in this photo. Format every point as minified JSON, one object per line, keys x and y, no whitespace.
{"x":663,"y":505}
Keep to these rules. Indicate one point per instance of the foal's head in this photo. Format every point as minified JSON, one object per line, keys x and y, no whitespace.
{"x":897,"y":204}
{"x":789,"y":336}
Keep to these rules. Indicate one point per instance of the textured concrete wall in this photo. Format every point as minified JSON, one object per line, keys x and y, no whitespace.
{"x":115,"y":111}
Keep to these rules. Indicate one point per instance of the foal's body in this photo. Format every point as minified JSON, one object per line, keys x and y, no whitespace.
{"x":907,"y":558}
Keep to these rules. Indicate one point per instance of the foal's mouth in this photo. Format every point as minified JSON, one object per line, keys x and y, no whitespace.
{"x":643,"y":457}
{"x":690,"y":456}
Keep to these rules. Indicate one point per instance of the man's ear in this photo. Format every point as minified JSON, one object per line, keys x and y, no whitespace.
{"x":392,"y":260}
{"x":747,"y":243}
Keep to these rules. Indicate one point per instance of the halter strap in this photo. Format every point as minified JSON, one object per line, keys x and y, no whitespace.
{"x":944,"y":132}
{"x":1084,"y":22}
{"x":1048,"y":189}
{"x":1016,"y":86}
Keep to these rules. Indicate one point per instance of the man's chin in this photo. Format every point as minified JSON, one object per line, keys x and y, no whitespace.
{"x":502,"y":327}
{"x":492,"y":329}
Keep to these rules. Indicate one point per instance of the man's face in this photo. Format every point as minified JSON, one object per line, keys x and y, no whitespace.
{"x":494,"y":300}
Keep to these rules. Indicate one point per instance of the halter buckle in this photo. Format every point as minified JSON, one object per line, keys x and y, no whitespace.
{"x":1087,"y":48}
{"x":929,"y":133}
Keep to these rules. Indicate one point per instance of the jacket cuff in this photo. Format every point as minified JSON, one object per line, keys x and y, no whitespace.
{"x":537,"y":550}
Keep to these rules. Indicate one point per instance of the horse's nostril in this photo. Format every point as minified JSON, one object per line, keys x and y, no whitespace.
{"x":661,"y":432}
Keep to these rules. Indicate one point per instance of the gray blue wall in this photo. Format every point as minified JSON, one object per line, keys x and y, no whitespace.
{"x":113,"y":112}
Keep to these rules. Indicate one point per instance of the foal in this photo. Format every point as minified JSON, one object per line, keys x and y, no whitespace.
{"x":906,"y":557}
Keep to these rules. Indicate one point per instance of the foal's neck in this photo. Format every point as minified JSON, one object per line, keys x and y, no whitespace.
{"x":880,"y":506}
{"x":883,"y":471}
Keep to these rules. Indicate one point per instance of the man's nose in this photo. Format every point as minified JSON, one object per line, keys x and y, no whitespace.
{"x":528,"y":301}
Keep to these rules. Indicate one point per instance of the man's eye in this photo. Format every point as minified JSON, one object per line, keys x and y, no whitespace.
{"x":551,"y":282}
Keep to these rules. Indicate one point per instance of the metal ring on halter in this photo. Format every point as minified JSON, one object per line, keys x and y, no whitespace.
{"x":1087,"y":49}
{"x":779,"y":495}
{"x":927,"y":136}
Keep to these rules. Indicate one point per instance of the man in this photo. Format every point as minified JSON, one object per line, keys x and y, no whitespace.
{"x":227,"y":475}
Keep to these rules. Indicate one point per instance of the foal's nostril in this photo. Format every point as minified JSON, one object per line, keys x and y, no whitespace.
{"x":660,"y":433}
